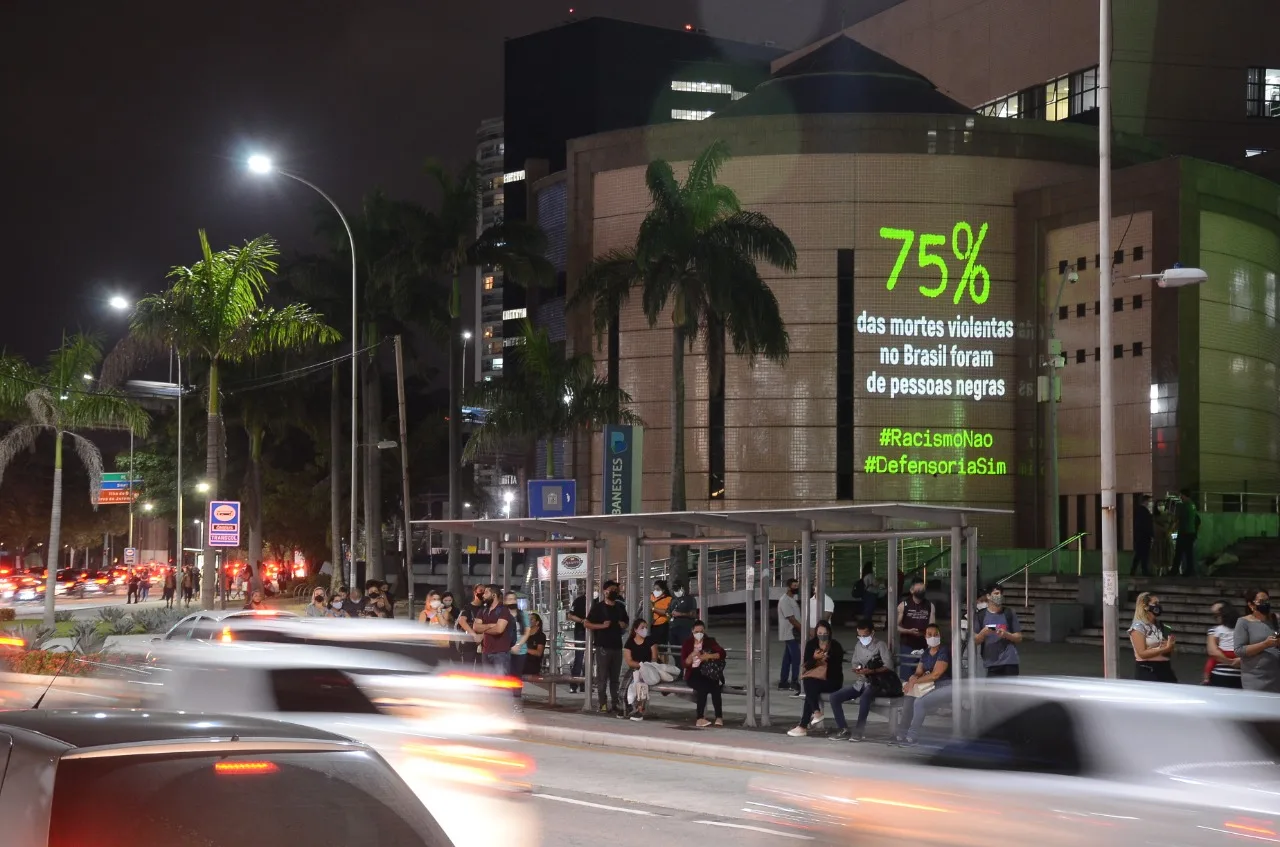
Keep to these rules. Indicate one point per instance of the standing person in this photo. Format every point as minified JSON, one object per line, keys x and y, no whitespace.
{"x":915,"y":613}
{"x":703,"y":662}
{"x":684,"y":614}
{"x":319,"y":605}
{"x":132,"y":583}
{"x":467,"y":618}
{"x":1223,"y":668}
{"x":608,"y":620}
{"x":928,"y":689}
{"x":430,"y":609}
{"x":1257,"y":644}
{"x":188,"y":585}
{"x":520,"y":632}
{"x":578,"y":614}
{"x":870,"y":660}
{"x":823,"y":674}
{"x":536,"y":646}
{"x":1152,"y":646}
{"x":864,"y":591}
{"x":144,"y":585}
{"x":661,"y":607}
{"x":444,"y":616}
{"x":1144,"y":532}
{"x":789,"y":635}
{"x":170,"y":586}
{"x":496,"y":629}
{"x":828,"y":608}
{"x":998,"y":635}
{"x":1184,"y":549}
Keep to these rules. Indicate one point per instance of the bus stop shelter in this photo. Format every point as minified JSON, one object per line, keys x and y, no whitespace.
{"x":815,"y":528}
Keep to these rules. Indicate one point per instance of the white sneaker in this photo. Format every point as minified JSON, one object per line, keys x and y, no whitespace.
{"x":797,"y":732}
{"x":816,"y":720}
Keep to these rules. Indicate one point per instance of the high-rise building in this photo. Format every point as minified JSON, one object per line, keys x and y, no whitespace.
{"x":487,"y":334}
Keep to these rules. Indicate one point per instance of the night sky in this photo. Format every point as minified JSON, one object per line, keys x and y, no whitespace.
{"x":125,"y":124}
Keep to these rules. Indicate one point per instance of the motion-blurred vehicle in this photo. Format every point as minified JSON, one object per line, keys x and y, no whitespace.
{"x":217,"y":624}
{"x":442,"y":731}
{"x":167,"y":779}
{"x":1060,"y":762}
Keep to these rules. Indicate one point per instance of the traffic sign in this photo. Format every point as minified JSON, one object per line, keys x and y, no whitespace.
{"x":224,"y":523}
{"x":118,"y":484}
{"x":131,"y":555}
{"x":115,"y":477}
{"x":552,"y":498}
{"x":116,"y":496}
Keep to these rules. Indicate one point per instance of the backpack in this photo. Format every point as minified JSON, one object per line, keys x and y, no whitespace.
{"x":860,"y":589}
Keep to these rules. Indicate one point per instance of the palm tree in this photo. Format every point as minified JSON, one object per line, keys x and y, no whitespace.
{"x":696,"y":253}
{"x":214,"y":312}
{"x":451,"y":242}
{"x":554,"y":397}
{"x":62,"y":398}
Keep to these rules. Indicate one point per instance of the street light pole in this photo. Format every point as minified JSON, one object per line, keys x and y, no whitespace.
{"x":404,"y":473}
{"x":1107,"y":439}
{"x":262,"y":165}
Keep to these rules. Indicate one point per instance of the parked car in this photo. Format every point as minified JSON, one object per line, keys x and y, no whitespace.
{"x":167,"y":779}
{"x":1059,"y":762}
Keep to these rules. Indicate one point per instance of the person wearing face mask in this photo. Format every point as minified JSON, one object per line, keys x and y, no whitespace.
{"x":444,"y":615}
{"x":661,"y":607}
{"x":496,"y":628}
{"x":521,"y":623}
{"x":915,"y":613}
{"x":536,"y":646}
{"x":789,"y":635}
{"x":1257,"y":644}
{"x":430,"y":609}
{"x":608,"y":621}
{"x":929,"y":687}
{"x":1222,"y":670}
{"x":319,"y":605}
{"x":578,"y":615}
{"x":872,"y":665}
{"x":1152,"y":644}
{"x":703,"y":661}
{"x":466,"y":622}
{"x":684,"y":611}
{"x":638,"y":650}
{"x":998,"y":634}
{"x":823,"y":674}
{"x":354,"y":603}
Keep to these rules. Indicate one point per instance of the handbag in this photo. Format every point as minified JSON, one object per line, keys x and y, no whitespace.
{"x":818,"y":671}
{"x":921,"y":689}
{"x":713,"y":669}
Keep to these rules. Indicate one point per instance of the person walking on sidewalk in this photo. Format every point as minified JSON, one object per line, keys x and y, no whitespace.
{"x":703,"y":661}
{"x":789,"y":635}
{"x":1144,"y":532}
{"x":1257,"y":645}
{"x":823,"y":674}
{"x":870,"y":659}
{"x":608,"y":619}
{"x":998,"y":635}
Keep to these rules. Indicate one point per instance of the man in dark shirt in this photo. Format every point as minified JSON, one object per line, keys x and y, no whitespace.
{"x":684,"y":611}
{"x":497,"y":632}
{"x":355,"y":602}
{"x":1184,"y":549}
{"x":608,"y":621}
{"x":466,"y":622}
{"x":578,"y":614}
{"x":1143,"y":533}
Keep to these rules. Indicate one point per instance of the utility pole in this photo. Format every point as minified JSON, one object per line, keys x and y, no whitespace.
{"x":404,"y":471}
{"x":1107,"y":439}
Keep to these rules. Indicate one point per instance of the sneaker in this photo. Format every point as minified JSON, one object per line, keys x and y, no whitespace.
{"x":797,"y":732}
{"x":816,"y":720}
{"x":604,"y":708}
{"x":702,"y":723}
{"x":797,"y":693}
{"x":908,"y":742}
{"x":840,"y":735}
{"x":638,"y":716}
{"x":859,"y":735}
{"x":719,"y":722}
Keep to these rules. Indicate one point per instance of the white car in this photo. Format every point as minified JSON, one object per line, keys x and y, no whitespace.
{"x":441,"y":730}
{"x":1061,"y":762}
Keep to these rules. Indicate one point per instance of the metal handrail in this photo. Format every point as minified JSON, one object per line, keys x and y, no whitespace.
{"x":1025,"y":570}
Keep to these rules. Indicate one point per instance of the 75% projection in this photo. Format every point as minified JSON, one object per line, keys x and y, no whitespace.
{"x":964,"y":245}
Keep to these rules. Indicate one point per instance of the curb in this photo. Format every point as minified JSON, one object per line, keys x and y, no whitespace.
{"x":678,"y":747}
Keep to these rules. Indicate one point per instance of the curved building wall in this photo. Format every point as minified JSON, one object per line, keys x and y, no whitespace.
{"x":901,"y":383}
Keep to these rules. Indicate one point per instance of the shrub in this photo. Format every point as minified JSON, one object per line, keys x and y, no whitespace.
{"x":111,"y":614}
{"x":8,"y":614}
{"x":49,"y":662}
{"x":124,"y":626}
{"x":40,"y":636}
{"x":87,"y":637}
{"x":63,"y":617}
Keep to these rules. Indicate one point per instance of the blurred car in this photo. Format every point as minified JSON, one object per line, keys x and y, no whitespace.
{"x":216,"y":624}
{"x":1057,"y":762}
{"x":436,"y":648}
{"x":441,"y":731}
{"x":166,"y":779}
{"x":31,"y":585}
{"x":77,"y":583}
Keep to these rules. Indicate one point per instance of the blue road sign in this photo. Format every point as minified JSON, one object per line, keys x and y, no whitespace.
{"x":553,"y":498}
{"x":224,"y":523}
{"x":118,"y":485}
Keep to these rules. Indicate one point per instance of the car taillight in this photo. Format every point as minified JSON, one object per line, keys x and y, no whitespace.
{"x":226,"y":634}
{"x":508,"y":683}
{"x":244,"y":768}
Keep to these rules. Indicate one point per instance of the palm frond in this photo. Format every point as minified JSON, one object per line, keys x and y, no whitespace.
{"x":91,"y":458}
{"x":16,"y":379}
{"x":664,"y":191}
{"x":294,"y":327}
{"x":107,"y":409}
{"x":705,"y":168}
{"x":606,"y":284}
{"x":15,"y":441}
{"x":43,"y":406}
{"x":754,"y":235}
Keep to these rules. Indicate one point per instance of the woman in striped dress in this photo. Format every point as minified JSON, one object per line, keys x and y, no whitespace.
{"x":1225,"y":670}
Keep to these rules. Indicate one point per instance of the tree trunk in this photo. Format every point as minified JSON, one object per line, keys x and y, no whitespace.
{"x":551,"y":459}
{"x":372,"y":460}
{"x":335,"y":478}
{"x":679,"y":555}
{"x":455,"y":450}
{"x":52,"y":559}
{"x":256,"y":436}
{"x":212,"y":460}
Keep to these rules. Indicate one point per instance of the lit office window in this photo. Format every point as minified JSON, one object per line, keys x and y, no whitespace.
{"x":497,"y":363}
{"x":737,"y":95}
{"x":1057,"y":99}
{"x":1084,"y":91}
{"x":1005,"y":107}
{"x":488,"y":283}
{"x":690,"y":114}
{"x":702,"y":87}
{"x":488,"y":332}
{"x":1262,"y":93}
{"x":514,"y":176}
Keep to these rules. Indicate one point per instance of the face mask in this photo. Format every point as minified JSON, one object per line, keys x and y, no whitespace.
{"x":1263,"y":607}
{"x":824,"y":636}
{"x":435,"y":604}
{"x":1155,"y":609}
{"x":337,"y":604}
{"x":513,"y":605}
{"x":932,"y":640}
{"x":697,"y":636}
{"x":446,"y":603}
{"x":918,"y":593}
{"x":679,"y":593}
{"x":657,"y":592}
{"x":864,"y":640}
{"x":319,"y":598}
{"x":995,"y":598}
{"x":642,"y":632}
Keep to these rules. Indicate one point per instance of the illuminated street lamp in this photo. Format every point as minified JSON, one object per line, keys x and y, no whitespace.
{"x":202,"y":487}
{"x":507,"y":498}
{"x":119,"y":303}
{"x":262,"y":165}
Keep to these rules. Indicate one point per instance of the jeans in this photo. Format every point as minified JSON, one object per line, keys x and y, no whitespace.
{"x":907,"y":664}
{"x":916,"y":709}
{"x":1002,"y":670}
{"x":869,"y":606}
{"x":865,"y":695}
{"x":813,"y":691}
{"x":1141,"y":557}
{"x":790,"y":663}
{"x":702,"y":686}
{"x":1184,"y":555}
{"x":579,"y":659}
{"x":1154,"y":672}
{"x":608,"y":666}
{"x":498,"y":663}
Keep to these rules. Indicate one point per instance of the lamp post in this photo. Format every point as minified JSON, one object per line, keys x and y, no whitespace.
{"x":260,"y":164}
{"x":1107,"y":435}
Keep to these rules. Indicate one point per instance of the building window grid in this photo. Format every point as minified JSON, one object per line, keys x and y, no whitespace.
{"x":1262,"y":93}
{"x":691,"y":114}
{"x":1055,"y":100}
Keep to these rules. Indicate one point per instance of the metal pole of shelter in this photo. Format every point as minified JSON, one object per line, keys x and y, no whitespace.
{"x":749,"y":598}
{"x":493,"y":559}
{"x":805,"y":576}
{"x":971,"y":602}
{"x":553,"y":622}
{"x":704,"y":553}
{"x":766,"y":566}
{"x":956,"y":546}
{"x":820,"y":587}
{"x":1107,"y":433}
{"x":595,"y":573}
{"x":639,"y":605}
{"x":891,"y":603}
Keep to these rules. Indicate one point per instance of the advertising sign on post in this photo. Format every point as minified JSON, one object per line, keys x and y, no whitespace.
{"x":224,"y":523}
{"x":623,"y":469}
{"x":131,"y":556}
{"x":552,"y":498}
